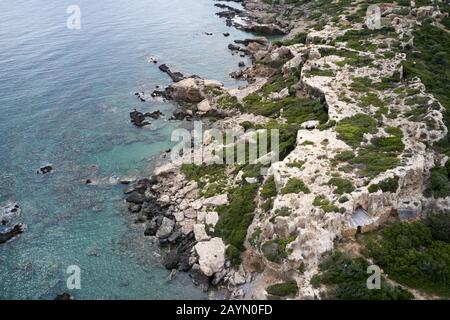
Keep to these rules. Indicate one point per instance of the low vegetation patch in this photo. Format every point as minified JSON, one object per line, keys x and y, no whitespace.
{"x":347,"y":279}
{"x":235,"y":218}
{"x":275,"y":250}
{"x":387,"y":185}
{"x":352,"y":129}
{"x":283,"y":289}
{"x":295,"y":185}
{"x":325,"y":204}
{"x":439,"y":183}
{"x":414,"y":254}
{"x":342,"y":185}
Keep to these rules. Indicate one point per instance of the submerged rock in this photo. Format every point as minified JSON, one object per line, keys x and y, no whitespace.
{"x":136,"y":198}
{"x":138,"y":119}
{"x":64,"y":296}
{"x":174,"y":75}
{"x":45,"y":169}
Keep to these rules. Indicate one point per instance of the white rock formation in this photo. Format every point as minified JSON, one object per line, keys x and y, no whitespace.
{"x":211,"y":256}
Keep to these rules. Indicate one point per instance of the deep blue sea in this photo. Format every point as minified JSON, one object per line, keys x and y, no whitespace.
{"x":65,"y":96}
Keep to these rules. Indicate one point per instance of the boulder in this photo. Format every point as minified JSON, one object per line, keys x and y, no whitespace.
{"x":187,"y":90}
{"x":211,"y":218}
{"x":279,"y":95}
{"x":138,"y":119}
{"x":134,"y":208}
{"x":166,"y":228}
{"x":216,"y":201}
{"x":199,"y":278}
{"x":211,"y":256}
{"x":212,"y":84}
{"x":136,"y":198}
{"x":200,"y":233}
{"x":175,"y":76}
{"x":204,"y":106}
{"x":151,"y":228}
{"x":154,"y":115}
{"x":310,"y":125}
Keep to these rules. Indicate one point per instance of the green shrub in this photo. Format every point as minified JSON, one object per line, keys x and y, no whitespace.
{"x":347,"y":277}
{"x":256,"y":235}
{"x":295,"y":185}
{"x":324,"y":203}
{"x":387,"y":185}
{"x":342,"y":185}
{"x":410,"y":254}
{"x":439,"y":184}
{"x":234,"y":255}
{"x":236,"y":217}
{"x":372,"y":162}
{"x":283,"y":289}
{"x":269,"y":188}
{"x":439,"y":224}
{"x":352,"y":129}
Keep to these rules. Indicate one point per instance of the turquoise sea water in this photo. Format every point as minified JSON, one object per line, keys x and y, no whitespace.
{"x":65,"y":96}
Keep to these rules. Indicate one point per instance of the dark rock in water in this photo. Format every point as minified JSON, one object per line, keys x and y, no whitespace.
{"x":171,"y":260}
{"x":260,"y":40}
{"x":88,"y":181}
{"x":129,"y":190}
{"x":179,"y":115}
{"x":161,"y":93}
{"x":134,"y":208}
{"x":142,"y":185}
{"x":15,"y":231}
{"x":140,"y":218}
{"x":152,"y":227}
{"x":175,"y":76}
{"x":138,"y":119}
{"x":151,"y":209}
{"x":136,"y":198}
{"x":64,"y":296}
{"x":178,"y":258}
{"x":269,"y":29}
{"x":226,"y":34}
{"x":208,"y":33}
{"x":234,"y":47}
{"x":154,"y":115}
{"x":241,"y":64}
{"x":141,"y":96}
{"x":45,"y":169}
{"x":236,"y":74}
{"x":199,"y":279}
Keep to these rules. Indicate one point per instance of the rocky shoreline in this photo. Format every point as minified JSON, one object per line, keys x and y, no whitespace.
{"x":9,"y":225}
{"x":304,"y":206}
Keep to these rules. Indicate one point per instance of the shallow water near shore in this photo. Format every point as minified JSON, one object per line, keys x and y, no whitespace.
{"x":65,"y":96}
